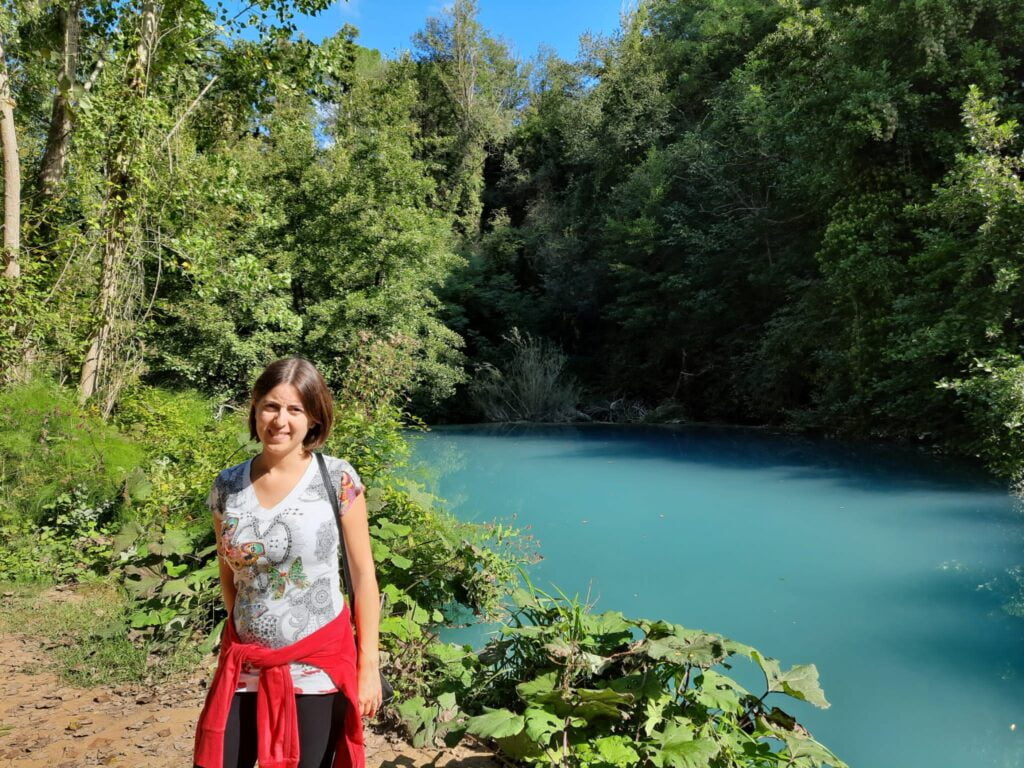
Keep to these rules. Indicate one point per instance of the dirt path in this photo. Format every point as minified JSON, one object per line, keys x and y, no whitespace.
{"x":44,"y":724}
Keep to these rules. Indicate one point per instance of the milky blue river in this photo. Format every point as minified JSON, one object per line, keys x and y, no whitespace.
{"x":890,"y":571}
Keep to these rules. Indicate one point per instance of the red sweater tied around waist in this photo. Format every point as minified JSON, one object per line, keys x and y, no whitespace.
{"x":332,"y":648}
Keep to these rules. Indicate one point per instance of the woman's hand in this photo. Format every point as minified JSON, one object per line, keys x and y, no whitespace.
{"x":370,"y":694}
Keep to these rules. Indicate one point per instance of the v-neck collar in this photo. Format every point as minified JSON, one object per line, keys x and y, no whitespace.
{"x":299,"y":485}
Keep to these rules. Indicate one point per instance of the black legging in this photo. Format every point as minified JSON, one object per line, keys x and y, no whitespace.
{"x":320,"y":716}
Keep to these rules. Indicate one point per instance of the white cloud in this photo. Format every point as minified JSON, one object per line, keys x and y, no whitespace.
{"x":349,"y":9}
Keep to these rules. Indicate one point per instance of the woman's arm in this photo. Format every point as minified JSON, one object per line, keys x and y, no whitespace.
{"x":367,"y":599}
{"x":227,"y":576}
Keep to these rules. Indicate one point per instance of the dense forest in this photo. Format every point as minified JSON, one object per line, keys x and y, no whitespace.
{"x":797,"y":213}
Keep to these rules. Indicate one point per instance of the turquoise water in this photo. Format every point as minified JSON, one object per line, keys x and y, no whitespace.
{"x":886,"y":569}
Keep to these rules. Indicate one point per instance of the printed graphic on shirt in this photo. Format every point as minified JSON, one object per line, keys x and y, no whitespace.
{"x":284,"y":561}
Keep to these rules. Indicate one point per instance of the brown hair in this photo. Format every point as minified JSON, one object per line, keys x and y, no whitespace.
{"x":316,"y":397}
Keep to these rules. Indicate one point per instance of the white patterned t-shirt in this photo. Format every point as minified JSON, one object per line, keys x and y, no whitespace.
{"x":284,"y":560}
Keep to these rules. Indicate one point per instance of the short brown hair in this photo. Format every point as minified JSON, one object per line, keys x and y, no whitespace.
{"x":316,"y":397}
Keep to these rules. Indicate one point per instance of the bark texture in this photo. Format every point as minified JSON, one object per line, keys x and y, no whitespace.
{"x":97,"y":368}
{"x":58,"y":138}
{"x":12,"y":175}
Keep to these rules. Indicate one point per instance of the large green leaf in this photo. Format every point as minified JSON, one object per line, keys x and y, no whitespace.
{"x":385,"y":529}
{"x":412,"y":711}
{"x":717,"y":691}
{"x":771,"y":668}
{"x":541,"y":724}
{"x":657,"y":628}
{"x":496,"y":724}
{"x":800,"y":682}
{"x":529,"y":631}
{"x":588,"y":703}
{"x":152,"y":617}
{"x":520,"y":746}
{"x":400,"y":561}
{"x":449,"y":653}
{"x":689,"y":754}
{"x":208,"y":572}
{"x":733,"y":647}
{"x":137,"y":485}
{"x":176,"y":587}
{"x":560,"y":649}
{"x":608,"y":623}
{"x":603,"y":702}
{"x":617,"y":750}
{"x":375,"y":500}
{"x":141,"y":580}
{"x":536,"y":688}
{"x":697,"y":648}
{"x":639,"y":685}
{"x":213,"y":638}
{"x":402,"y":627}
{"x":805,"y":751}
{"x":679,"y":748}
{"x":523,"y":599}
{"x":128,"y":535}
{"x":174,"y":570}
{"x":175,"y":541}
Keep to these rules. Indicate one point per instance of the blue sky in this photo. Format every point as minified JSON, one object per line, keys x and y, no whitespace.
{"x":388,"y":25}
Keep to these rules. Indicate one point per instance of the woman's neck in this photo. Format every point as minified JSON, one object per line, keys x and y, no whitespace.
{"x":293,"y":460}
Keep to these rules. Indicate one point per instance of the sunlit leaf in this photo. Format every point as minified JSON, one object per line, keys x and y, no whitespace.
{"x":616,"y":750}
{"x":496,"y":724}
{"x":538,"y":686}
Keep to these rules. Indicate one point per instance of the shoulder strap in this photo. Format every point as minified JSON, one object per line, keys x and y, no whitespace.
{"x":332,"y":495}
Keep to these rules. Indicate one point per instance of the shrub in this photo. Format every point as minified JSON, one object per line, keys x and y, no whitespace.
{"x":992,"y":393}
{"x":49,"y":446}
{"x":533,"y":385}
{"x":188,"y":438}
{"x":570,"y":688}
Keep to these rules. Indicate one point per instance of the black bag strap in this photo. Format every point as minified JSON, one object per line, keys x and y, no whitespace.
{"x":387,"y":692}
{"x":332,"y":495}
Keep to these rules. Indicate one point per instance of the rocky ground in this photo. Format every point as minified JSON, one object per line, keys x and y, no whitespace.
{"x":46,"y":724}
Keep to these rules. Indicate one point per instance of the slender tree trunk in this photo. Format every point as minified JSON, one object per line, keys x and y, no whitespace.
{"x":12,"y":174}
{"x":122,"y":184}
{"x":58,"y":139}
{"x":462,"y":87}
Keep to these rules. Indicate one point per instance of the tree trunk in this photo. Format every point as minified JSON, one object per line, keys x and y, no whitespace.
{"x":12,"y":175}
{"x":58,"y":139}
{"x":122,"y":183}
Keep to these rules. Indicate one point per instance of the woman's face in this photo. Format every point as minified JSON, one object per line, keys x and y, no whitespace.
{"x":281,"y":420}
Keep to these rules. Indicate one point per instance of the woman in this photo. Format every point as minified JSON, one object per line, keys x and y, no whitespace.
{"x":290,"y":688}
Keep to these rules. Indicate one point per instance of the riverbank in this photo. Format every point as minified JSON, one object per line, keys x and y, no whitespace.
{"x":48,"y":722}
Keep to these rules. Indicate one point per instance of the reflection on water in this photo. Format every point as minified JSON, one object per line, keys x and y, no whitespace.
{"x":898,"y":574}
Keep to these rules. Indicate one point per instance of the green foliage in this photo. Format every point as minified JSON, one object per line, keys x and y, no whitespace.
{"x":73,"y":543}
{"x":172,"y":576}
{"x":572,"y":688}
{"x":371,"y":247}
{"x":51,"y":451}
{"x":188,"y":438}
{"x":751,"y":210}
{"x":993,"y":394}
{"x":434,"y":559}
{"x":469,"y":87}
{"x":83,"y":628}
{"x":770,"y":212}
{"x":560,"y":685}
{"x":532,"y":386}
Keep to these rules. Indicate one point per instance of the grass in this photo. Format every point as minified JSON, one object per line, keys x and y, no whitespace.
{"x":83,"y":631}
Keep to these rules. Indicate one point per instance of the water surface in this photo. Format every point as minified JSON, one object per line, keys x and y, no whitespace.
{"x":887,"y":569}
